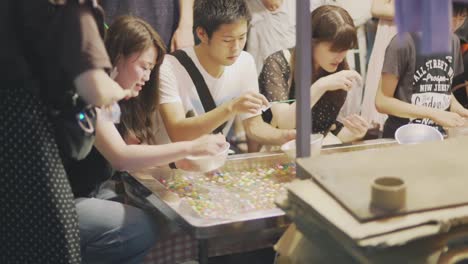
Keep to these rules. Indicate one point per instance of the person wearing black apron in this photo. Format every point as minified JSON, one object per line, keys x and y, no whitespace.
{"x":38,"y":220}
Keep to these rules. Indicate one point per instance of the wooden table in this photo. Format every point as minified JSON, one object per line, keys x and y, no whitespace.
{"x":410,"y":238}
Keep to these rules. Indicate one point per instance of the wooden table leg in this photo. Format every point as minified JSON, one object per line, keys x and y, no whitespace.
{"x":203,"y":251}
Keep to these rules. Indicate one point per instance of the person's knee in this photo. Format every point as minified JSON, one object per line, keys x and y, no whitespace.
{"x":141,"y":232}
{"x":113,"y":231}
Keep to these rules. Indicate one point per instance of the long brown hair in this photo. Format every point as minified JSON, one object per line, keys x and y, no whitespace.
{"x":330,"y":24}
{"x":128,"y":35}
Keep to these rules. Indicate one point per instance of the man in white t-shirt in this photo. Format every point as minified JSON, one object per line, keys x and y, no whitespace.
{"x":229,"y":73}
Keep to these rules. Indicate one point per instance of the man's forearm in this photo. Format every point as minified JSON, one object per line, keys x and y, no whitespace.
{"x":97,"y":88}
{"x":264,"y":133}
{"x":285,"y":114}
{"x":402,"y":109}
{"x":392,"y":106}
{"x":191,"y":128}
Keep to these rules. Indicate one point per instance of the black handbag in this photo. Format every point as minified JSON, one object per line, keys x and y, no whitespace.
{"x":74,"y":127}
{"x":73,"y":119}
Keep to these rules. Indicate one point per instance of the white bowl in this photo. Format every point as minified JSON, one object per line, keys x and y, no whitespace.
{"x":417,"y":133}
{"x":315,"y":146}
{"x":208,"y":163}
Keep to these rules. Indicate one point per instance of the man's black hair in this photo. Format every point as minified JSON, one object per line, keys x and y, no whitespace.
{"x":211,"y":14}
{"x":460,"y":9}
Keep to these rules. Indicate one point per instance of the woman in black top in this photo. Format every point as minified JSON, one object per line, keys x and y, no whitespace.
{"x":112,"y":232}
{"x":333,"y":35}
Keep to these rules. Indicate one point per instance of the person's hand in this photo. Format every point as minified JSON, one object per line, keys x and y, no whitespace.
{"x":355,"y":128}
{"x":186,"y":165}
{"x":249,"y":102}
{"x":343,"y":80}
{"x":446,"y":119}
{"x":207,"y":145}
{"x":182,"y":38}
{"x":463,"y":112}
{"x":119,"y":93}
{"x":98,"y":89}
{"x":288,"y":135}
{"x":272,"y":5}
{"x":357,"y":125}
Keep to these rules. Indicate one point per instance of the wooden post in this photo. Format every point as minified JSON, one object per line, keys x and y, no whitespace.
{"x":303,"y":76}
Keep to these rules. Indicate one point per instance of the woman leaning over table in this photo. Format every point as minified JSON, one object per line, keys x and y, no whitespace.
{"x":333,"y":34}
{"x":112,"y":232}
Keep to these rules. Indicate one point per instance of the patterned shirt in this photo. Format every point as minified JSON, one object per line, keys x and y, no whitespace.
{"x":274,"y":84}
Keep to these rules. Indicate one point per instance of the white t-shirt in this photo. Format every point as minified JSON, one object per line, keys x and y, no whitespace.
{"x":177,"y":86}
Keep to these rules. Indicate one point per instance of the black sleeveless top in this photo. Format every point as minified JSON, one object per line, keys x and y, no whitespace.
{"x":86,"y":175}
{"x":273,"y":83}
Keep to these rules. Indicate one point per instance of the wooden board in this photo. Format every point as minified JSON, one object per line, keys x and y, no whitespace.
{"x":436,"y":175}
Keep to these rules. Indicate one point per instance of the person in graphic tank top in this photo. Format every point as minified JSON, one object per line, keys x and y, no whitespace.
{"x":416,"y":88}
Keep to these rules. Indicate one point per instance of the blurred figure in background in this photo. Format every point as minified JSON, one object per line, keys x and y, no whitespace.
{"x":272,"y":28}
{"x":384,"y":10}
{"x":172,"y":19}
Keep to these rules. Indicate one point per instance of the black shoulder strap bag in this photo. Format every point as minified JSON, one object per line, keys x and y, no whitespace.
{"x":202,"y":89}
{"x":73,"y":119}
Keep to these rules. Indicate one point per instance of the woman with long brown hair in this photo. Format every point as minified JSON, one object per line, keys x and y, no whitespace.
{"x":333,"y":34}
{"x":112,"y":232}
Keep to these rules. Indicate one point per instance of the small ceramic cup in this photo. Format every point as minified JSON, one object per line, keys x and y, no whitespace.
{"x":388,"y":193}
